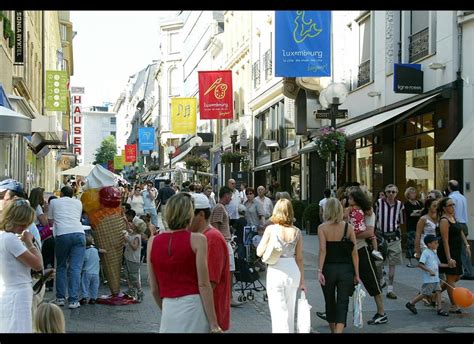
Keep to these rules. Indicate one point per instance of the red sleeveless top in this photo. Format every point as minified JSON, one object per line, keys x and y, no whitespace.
{"x":174,"y":264}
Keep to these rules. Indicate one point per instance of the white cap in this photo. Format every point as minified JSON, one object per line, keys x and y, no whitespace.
{"x":200,"y":201}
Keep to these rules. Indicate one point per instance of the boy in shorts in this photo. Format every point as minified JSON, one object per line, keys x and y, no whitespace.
{"x":429,"y":263}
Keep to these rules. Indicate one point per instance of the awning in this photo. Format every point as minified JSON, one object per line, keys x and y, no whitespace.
{"x":269,"y":144}
{"x":367,"y":125}
{"x":308,"y":148}
{"x":12,"y":122}
{"x":185,"y":148}
{"x":463,"y":145}
{"x":270,"y":164}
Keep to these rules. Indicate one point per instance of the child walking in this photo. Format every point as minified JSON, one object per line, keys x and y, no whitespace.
{"x":133,"y":244}
{"x":429,"y":263}
{"x":90,"y":272}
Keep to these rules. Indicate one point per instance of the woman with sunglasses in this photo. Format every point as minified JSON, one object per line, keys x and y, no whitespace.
{"x":449,"y":250}
{"x":18,"y":255}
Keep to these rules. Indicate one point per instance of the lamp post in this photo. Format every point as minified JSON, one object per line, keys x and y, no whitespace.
{"x":333,"y":96}
{"x":170,"y":151}
{"x":154,"y":156}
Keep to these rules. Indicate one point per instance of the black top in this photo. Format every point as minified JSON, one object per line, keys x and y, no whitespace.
{"x":164,"y":194}
{"x":412,"y":220}
{"x":455,"y":245}
{"x":238,"y":226}
{"x":339,"y":251}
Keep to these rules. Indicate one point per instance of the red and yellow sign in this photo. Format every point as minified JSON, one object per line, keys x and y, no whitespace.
{"x":215,"y":95}
{"x":183,"y":115}
{"x":130,"y":153}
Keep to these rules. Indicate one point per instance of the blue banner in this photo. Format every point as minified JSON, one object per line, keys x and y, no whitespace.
{"x":303,"y":43}
{"x":146,"y":139}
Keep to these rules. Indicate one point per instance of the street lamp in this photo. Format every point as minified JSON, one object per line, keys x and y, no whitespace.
{"x":170,"y":150}
{"x":154,"y":156}
{"x":331,"y":97}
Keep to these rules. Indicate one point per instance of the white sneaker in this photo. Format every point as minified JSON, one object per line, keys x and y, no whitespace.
{"x":74,"y":305}
{"x":376,"y":254}
{"x":59,"y":302}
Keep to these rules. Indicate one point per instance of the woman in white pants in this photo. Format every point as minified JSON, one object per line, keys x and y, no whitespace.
{"x":287,"y":274}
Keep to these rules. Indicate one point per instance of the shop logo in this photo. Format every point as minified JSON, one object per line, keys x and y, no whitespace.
{"x":304,"y":29}
{"x":219,"y":89}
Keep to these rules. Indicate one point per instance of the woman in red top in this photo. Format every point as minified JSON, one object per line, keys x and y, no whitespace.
{"x":178,"y":273}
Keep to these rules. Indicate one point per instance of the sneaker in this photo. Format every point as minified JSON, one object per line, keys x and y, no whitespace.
{"x":83,"y":301}
{"x":411,"y":307}
{"x":442,"y":313}
{"x":60,"y":302}
{"x":392,"y":295}
{"x":92,"y":301}
{"x":74,"y":305}
{"x":322,"y":315}
{"x":377,"y":255}
{"x":140,"y":296}
{"x":378,"y":319}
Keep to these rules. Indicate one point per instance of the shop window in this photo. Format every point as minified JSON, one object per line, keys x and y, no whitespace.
{"x":364,"y":167}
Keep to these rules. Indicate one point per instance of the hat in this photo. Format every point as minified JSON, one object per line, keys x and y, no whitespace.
{"x":242,"y":209}
{"x":12,"y":185}
{"x":430,"y":238}
{"x":200,"y":201}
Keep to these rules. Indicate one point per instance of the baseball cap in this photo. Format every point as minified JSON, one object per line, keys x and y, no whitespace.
{"x":12,"y":185}
{"x":200,"y":201}
{"x":430,"y":238}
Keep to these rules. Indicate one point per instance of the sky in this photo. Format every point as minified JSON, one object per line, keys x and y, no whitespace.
{"x":109,"y":47}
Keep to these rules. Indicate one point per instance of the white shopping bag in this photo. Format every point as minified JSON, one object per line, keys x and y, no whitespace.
{"x":357,"y":299}
{"x":304,"y":315}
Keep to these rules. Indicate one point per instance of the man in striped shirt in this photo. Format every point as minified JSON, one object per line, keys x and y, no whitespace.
{"x":390,"y":214}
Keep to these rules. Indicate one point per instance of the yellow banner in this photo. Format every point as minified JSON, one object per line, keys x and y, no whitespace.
{"x":118,"y":162}
{"x":183,"y":115}
{"x":125,"y":163}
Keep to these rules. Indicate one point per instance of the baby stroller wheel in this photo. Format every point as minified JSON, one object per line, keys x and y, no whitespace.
{"x":265,"y":297}
{"x":250,"y":296}
{"x":242,"y":298}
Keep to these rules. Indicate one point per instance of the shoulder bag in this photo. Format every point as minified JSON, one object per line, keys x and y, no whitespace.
{"x":273,"y":250}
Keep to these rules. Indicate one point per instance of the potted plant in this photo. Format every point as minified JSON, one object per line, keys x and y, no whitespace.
{"x":331,"y":140}
{"x":232,"y":157}
{"x":311,"y":218}
{"x":298,"y":209}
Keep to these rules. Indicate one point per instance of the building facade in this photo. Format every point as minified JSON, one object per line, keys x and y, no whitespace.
{"x":97,"y":124}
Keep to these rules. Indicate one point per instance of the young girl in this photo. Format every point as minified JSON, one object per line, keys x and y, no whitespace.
{"x":150,"y":231}
{"x":133,"y":246}
{"x":49,"y":318}
{"x":90,"y":272}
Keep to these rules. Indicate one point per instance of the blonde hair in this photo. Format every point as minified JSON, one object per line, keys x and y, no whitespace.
{"x":179,"y":211}
{"x":333,"y":210}
{"x":408,"y":190}
{"x":17,"y":213}
{"x":49,"y":318}
{"x":283,"y":213}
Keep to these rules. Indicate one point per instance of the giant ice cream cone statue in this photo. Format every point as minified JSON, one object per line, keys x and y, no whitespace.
{"x":101,"y":202}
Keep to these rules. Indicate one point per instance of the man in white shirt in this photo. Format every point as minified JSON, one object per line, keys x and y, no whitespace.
{"x":322,"y":203}
{"x":266,"y":203}
{"x":242,"y":193}
{"x":70,"y":245}
{"x":234,"y":203}
{"x":149,"y":195}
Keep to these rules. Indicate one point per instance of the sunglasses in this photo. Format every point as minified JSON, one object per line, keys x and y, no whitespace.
{"x":391,"y":191}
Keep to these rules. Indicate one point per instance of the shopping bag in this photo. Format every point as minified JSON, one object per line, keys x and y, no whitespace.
{"x":304,"y":315}
{"x":357,"y":299}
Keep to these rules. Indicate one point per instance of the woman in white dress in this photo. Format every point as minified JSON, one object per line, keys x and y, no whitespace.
{"x":137,"y":202}
{"x":18,"y":255}
{"x":427,"y":224}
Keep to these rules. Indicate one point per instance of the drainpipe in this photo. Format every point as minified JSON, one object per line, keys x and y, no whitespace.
{"x":459,"y":93}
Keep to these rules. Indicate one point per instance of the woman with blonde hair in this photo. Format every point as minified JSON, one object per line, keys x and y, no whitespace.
{"x":49,"y":318}
{"x":338,"y":264}
{"x":18,"y":255}
{"x":178,"y":272}
{"x":287,"y":274}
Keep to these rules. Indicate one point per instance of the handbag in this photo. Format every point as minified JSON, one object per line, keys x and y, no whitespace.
{"x":45,"y":232}
{"x":357,"y":299}
{"x":303,"y":322}
{"x":273,"y":250}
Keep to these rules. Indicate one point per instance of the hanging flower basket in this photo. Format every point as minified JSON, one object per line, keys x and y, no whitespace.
{"x":232,"y":157}
{"x":331,"y":140}
{"x":195,"y":162}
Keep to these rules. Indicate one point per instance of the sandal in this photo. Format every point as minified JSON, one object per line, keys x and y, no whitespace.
{"x":443,"y":313}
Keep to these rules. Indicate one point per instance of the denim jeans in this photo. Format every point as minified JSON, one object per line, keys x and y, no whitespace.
{"x":90,"y":285}
{"x":69,"y":250}
{"x":154,"y":215}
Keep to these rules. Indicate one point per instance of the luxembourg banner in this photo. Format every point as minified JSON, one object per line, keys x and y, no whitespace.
{"x":56,"y":90}
{"x":302,"y":43}
{"x":183,"y":115}
{"x":215,"y":95}
{"x":146,"y":139}
{"x":118,"y":162}
{"x":130,"y":153}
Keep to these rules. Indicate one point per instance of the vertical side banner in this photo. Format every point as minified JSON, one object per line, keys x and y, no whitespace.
{"x":118,"y":162}
{"x":56,"y":90}
{"x":19,"y":37}
{"x":183,"y":115}
{"x":146,"y":139}
{"x":130,"y":153}
{"x":302,"y":43}
{"x":215,"y":95}
{"x":124,"y":161}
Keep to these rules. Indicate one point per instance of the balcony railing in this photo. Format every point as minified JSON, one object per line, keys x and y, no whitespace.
{"x":267,"y":63}
{"x":363,"y":76}
{"x":256,"y":74}
{"x":419,"y":45}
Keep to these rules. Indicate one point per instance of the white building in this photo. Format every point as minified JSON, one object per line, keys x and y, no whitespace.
{"x":98,"y":123}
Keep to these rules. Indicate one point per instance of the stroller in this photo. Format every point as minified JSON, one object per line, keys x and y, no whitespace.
{"x":247,"y":277}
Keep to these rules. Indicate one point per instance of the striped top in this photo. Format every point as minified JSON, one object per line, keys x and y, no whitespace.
{"x":389,"y":217}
